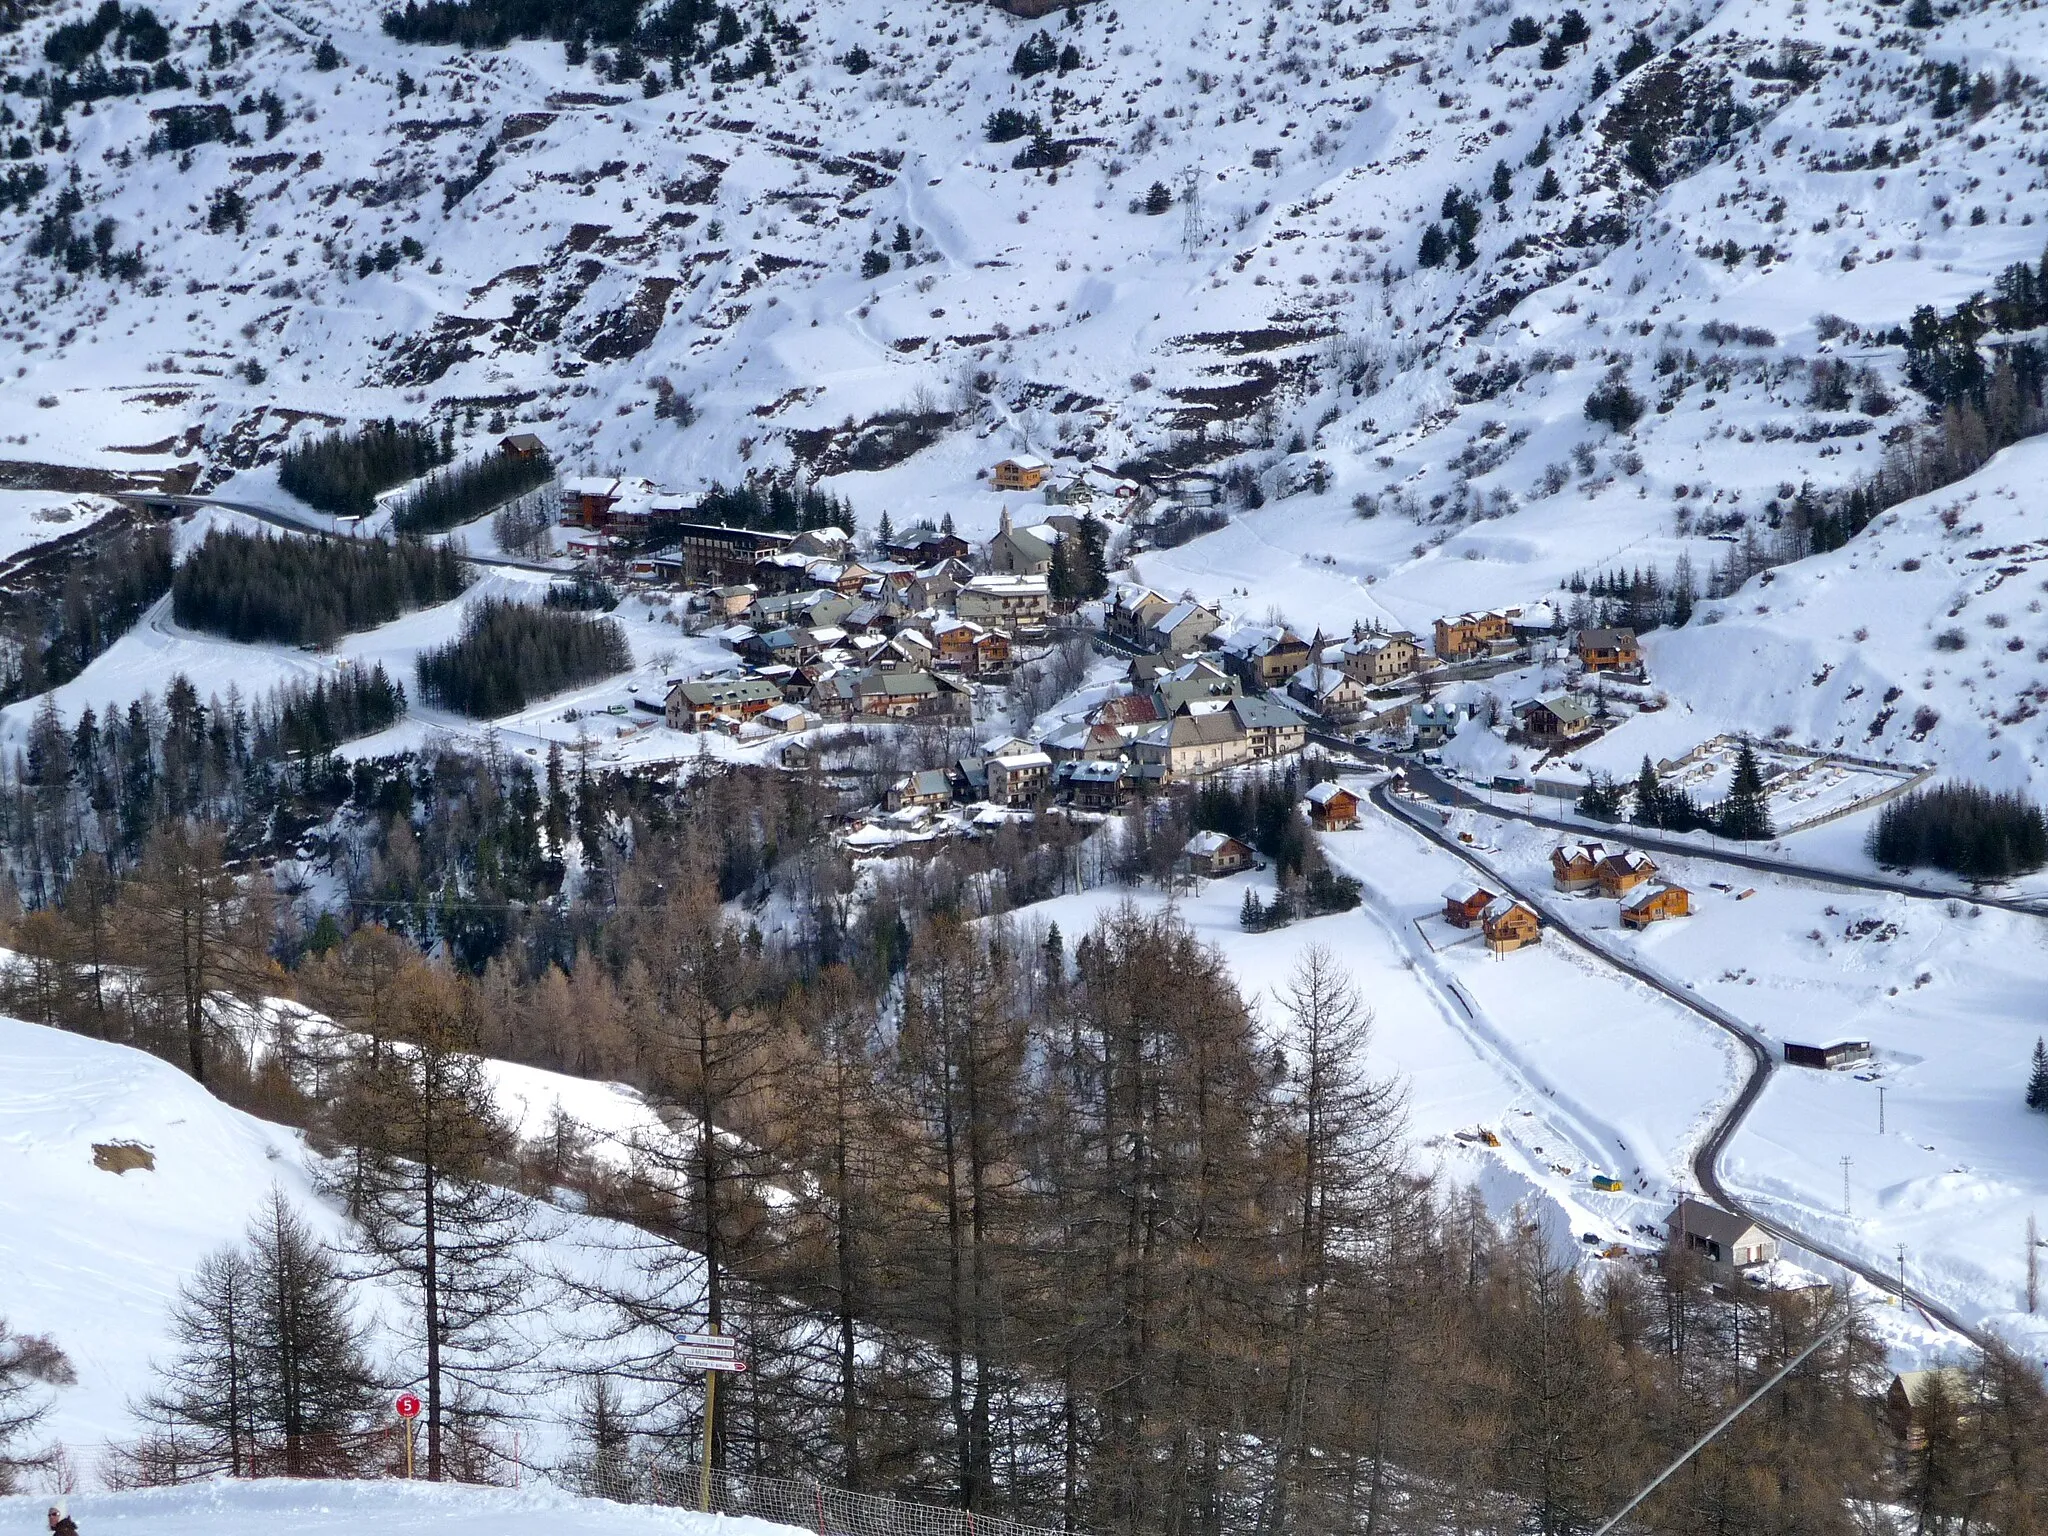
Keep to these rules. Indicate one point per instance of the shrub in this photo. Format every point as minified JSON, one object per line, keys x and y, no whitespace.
{"x":873,"y":262}
{"x":307,"y":591}
{"x":1157,"y":198}
{"x":466,"y":491}
{"x":1615,"y":404}
{"x":343,"y":472}
{"x":1963,"y":828}
{"x":510,"y":653}
{"x":1007,"y":123}
{"x":1523,"y":32}
{"x":1035,"y":55}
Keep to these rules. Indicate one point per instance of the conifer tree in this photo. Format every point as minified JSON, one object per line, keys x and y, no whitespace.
{"x":1746,"y":813}
{"x":2037,"y":1080}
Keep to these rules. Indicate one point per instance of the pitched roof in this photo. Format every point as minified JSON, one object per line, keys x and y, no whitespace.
{"x":1573,"y":853}
{"x":1465,"y":892}
{"x":1699,"y":1219}
{"x":1643,"y":895}
{"x":1325,"y":792}
{"x":1204,"y":844}
{"x":1501,"y":906}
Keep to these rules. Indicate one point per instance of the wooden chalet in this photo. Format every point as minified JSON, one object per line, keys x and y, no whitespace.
{"x":1022,"y":472}
{"x":1609,"y":650}
{"x":1331,"y":807}
{"x":1649,"y":904}
{"x":1622,"y":871}
{"x":1575,"y":867}
{"x":1466,"y":901}
{"x":1510,"y":925}
{"x":1217,"y":853}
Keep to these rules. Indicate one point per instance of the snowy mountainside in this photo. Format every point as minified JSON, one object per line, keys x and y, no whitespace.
{"x":1692,"y":201}
{"x":93,"y":1257}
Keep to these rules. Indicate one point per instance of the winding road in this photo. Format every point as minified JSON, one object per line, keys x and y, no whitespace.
{"x":154,"y":501}
{"x":1763,"y":1060}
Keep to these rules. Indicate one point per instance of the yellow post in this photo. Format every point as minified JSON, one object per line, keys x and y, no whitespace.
{"x":704,"y":1466}
{"x":408,"y":1447}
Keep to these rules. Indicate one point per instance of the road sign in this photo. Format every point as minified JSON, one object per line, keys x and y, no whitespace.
{"x":407,"y":1405}
{"x":709,"y":1352}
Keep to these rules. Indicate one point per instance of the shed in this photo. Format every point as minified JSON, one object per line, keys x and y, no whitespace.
{"x":1915,"y":1396}
{"x":1828,"y":1058}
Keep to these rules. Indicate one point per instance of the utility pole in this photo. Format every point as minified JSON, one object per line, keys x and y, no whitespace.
{"x":1191,"y":212}
{"x":1902,"y":1274}
{"x":1880,"y":1109}
{"x":2033,"y":1264}
{"x":1845,"y":1186}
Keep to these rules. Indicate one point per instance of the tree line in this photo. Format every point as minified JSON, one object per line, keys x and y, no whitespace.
{"x":343,"y":472}
{"x":72,"y":610}
{"x":1964,"y":828}
{"x":1744,"y":813}
{"x":510,"y":653}
{"x":775,"y":505}
{"x":1082,"y":1238}
{"x":466,"y":491}
{"x":308,"y":591}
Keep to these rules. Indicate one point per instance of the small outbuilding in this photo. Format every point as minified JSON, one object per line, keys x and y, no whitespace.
{"x":1828,"y":1058}
{"x":1915,"y":1397}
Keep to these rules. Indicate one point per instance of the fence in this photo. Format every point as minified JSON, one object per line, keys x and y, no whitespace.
{"x":793,"y":1501}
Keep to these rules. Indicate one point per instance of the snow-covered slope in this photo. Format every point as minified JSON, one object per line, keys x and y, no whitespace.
{"x":92,"y":1257}
{"x":260,"y":1507}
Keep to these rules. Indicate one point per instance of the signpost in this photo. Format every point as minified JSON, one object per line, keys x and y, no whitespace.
{"x":408,"y":1410}
{"x":710,"y":1353}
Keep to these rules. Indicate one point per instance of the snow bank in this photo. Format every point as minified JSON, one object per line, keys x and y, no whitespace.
{"x":311,"y":1508}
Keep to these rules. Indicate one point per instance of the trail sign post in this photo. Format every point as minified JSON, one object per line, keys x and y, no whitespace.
{"x":408,"y":1410}
{"x":710,"y":1353}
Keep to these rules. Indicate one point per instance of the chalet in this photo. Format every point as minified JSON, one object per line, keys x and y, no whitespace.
{"x":1509,"y":925}
{"x":1217,"y":853}
{"x":1126,"y":709}
{"x":1330,"y":691}
{"x":1265,"y":655}
{"x":1376,"y":659}
{"x":1729,"y":1243}
{"x":925,"y":545}
{"x":1575,"y":867}
{"x":1088,"y":742}
{"x":1649,"y":904}
{"x":732,"y":602}
{"x":1018,"y":778}
{"x":1474,"y":634}
{"x":522,"y":445}
{"x":1133,"y":612}
{"x":1091,"y":784}
{"x":1916,"y":1397}
{"x":1016,"y":605}
{"x":788,"y":718}
{"x":587,"y":500}
{"x":1609,"y":650}
{"x":1466,"y":901}
{"x":911,"y":646}
{"x":1182,"y":628}
{"x":1562,"y":718}
{"x":1090,"y":487}
{"x":1828,"y":1058}
{"x":1622,"y":871}
{"x":1190,"y":744}
{"x":1191,"y":683}
{"x":1022,"y":472}
{"x":964,"y":644}
{"x":1021,"y":551}
{"x":892,"y":691}
{"x":1271,"y":729}
{"x":714,"y":553}
{"x":928,"y":787}
{"x":1332,"y":807}
{"x":1433,"y":724}
{"x":694,"y":705}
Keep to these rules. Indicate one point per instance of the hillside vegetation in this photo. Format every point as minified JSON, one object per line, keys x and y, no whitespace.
{"x":299,"y":591}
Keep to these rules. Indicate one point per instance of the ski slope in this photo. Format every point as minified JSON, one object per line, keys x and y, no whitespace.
{"x":265,"y":1506}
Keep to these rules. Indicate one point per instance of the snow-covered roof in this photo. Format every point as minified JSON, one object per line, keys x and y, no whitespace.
{"x":1014,"y":762}
{"x":1203,"y":844}
{"x":1499,"y":908}
{"x":1325,"y":792}
{"x":1028,"y":461}
{"x":1465,"y":892}
{"x":1642,"y":896}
